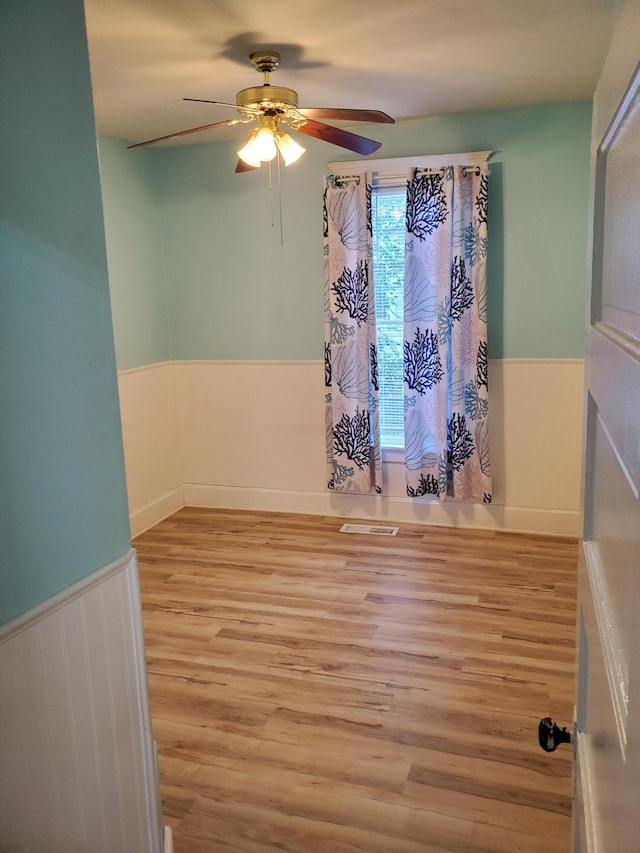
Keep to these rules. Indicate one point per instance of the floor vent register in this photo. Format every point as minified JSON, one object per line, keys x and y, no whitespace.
{"x":369,"y":529}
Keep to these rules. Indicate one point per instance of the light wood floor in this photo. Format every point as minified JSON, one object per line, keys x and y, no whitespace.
{"x":318,"y":691}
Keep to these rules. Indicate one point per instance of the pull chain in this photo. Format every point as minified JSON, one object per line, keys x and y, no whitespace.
{"x":280,"y":201}
{"x":271,"y":193}
{"x":271,"y":199}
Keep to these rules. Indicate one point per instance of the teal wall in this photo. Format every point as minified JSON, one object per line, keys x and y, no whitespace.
{"x":63,"y":509}
{"x":236,"y":293}
{"x":135,"y":254}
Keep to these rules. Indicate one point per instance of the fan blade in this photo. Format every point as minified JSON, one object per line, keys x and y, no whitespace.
{"x":336,"y":136}
{"x":244,"y":167}
{"x":347,"y":115}
{"x":185,"y":132}
{"x":222,"y":104}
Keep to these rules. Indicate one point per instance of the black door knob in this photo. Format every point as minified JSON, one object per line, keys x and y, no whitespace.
{"x":550,"y":735}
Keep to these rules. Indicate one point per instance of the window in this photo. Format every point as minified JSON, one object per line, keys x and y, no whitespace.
{"x":388,"y":221}
{"x":389,"y":182}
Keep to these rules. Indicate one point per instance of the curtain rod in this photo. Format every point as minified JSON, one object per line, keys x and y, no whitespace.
{"x":399,"y":166}
{"x":475,"y":168}
{"x":341,"y":180}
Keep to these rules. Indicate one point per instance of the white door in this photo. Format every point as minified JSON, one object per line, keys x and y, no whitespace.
{"x":607,"y":741}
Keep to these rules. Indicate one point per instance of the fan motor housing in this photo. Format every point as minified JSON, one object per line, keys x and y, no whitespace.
{"x":269,"y":97}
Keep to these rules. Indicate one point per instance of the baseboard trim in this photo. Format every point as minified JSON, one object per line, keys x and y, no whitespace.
{"x":155,"y":511}
{"x":512,"y":519}
{"x":168,"y":840}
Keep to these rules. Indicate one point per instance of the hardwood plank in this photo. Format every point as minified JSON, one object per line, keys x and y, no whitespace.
{"x":316,"y":691}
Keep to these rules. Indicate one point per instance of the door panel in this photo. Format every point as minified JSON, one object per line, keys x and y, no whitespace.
{"x":620,"y":294}
{"x":607,"y":742}
{"x":599,"y":752}
{"x":614,"y":550}
{"x":613,"y":379}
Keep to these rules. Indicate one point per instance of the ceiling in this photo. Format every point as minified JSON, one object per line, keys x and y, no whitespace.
{"x":410,"y":58}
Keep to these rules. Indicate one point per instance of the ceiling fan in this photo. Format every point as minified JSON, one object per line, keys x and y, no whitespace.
{"x":274,"y":110}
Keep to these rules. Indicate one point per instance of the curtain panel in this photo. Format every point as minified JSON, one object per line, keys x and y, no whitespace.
{"x":445,"y":335}
{"x":354,"y":458}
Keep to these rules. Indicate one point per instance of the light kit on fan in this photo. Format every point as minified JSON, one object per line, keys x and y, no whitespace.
{"x":265,"y":141}
{"x":289,"y":148}
{"x":247,"y":153}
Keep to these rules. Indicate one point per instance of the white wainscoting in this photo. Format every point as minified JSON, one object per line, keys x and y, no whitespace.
{"x":77,"y":765}
{"x":151,"y":443}
{"x":251,"y":435}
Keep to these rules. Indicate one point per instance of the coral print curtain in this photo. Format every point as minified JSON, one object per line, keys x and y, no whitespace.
{"x":351,"y":393}
{"x":445,"y":335}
